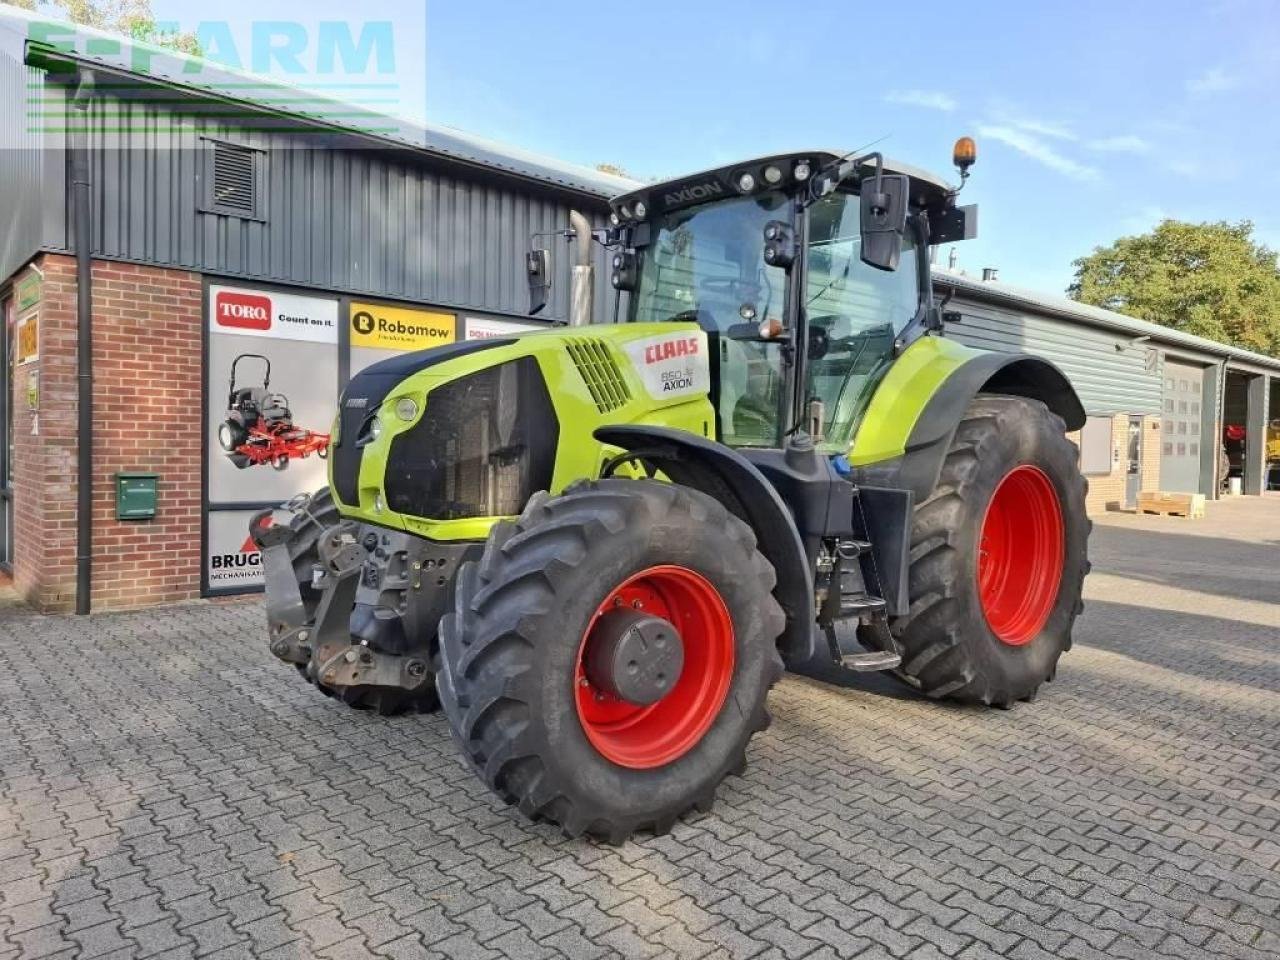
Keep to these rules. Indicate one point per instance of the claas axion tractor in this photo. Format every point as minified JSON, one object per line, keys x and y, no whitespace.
{"x":596,"y":548}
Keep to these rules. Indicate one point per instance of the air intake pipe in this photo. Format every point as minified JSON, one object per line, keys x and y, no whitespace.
{"x":582,"y":289}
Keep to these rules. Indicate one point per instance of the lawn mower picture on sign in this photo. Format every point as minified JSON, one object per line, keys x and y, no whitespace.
{"x":259,"y":426}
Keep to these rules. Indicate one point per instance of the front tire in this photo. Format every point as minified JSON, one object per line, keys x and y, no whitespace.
{"x":998,"y":558}
{"x":529,"y":711}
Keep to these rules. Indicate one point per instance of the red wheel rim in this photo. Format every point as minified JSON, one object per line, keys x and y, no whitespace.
{"x":1020,"y":555}
{"x":642,"y":737}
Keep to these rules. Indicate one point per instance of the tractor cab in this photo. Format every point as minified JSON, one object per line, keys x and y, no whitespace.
{"x":808,"y":272}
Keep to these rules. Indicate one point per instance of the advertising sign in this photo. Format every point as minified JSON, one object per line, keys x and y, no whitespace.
{"x":273,"y":392}
{"x":27,"y":290}
{"x":232,"y":561}
{"x":379,"y":330}
{"x":482,"y":328}
{"x":28,"y":339}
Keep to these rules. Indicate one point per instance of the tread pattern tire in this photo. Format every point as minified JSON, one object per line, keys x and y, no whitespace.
{"x":948,"y":650}
{"x":508,"y":650}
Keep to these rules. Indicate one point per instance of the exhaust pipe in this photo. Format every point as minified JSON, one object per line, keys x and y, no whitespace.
{"x":582,"y":288}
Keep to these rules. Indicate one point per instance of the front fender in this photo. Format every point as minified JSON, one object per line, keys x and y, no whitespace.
{"x":726,"y":475}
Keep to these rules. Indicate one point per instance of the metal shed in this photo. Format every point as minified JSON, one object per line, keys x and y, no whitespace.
{"x":1158,"y":398}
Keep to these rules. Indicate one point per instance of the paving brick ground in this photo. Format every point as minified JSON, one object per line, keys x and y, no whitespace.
{"x":168,"y":790}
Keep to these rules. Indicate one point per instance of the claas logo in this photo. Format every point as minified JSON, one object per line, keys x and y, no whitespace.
{"x":669,"y":349}
{"x":244,"y":311}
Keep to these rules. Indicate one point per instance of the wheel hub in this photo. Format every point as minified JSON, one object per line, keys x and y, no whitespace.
{"x":634,"y":656}
{"x":673,"y":625}
{"x":1020,"y":555}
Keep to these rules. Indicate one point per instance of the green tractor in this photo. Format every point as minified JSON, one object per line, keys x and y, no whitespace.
{"x":597,"y":547}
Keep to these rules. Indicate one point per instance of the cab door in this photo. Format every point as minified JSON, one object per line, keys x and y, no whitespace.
{"x":855,"y":313}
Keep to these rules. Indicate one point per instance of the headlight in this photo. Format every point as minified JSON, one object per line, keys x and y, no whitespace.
{"x":406,"y":408}
{"x":378,"y":503}
{"x":375,"y":428}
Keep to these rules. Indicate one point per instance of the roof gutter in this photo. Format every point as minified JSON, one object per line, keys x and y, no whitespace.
{"x":81,"y":230}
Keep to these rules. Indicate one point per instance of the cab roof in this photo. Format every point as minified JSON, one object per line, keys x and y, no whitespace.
{"x":927,"y":190}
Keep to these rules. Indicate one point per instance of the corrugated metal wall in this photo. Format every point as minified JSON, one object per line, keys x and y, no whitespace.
{"x":32,"y":173}
{"x":347,"y":219}
{"x":1108,"y":380}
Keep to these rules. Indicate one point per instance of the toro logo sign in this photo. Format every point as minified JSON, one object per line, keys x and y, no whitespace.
{"x":243,"y":311}
{"x":275,"y":315}
{"x":672,"y":366}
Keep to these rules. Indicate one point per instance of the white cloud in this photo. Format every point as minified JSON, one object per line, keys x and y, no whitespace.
{"x":1126,"y":143}
{"x":1032,"y":146}
{"x":1213,"y":80}
{"x":1007,"y":114}
{"x":930,"y":99}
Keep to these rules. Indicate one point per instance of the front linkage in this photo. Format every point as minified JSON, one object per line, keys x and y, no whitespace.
{"x":354,"y":607}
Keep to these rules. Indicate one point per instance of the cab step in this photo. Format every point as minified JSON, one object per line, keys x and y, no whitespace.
{"x":860,"y":606}
{"x":870,"y":661}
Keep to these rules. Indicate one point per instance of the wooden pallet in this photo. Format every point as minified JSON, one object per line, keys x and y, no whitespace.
{"x":1189,"y":505}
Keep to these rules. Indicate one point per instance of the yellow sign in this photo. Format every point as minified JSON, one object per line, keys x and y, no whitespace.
{"x":400,"y":328}
{"x":28,"y":338}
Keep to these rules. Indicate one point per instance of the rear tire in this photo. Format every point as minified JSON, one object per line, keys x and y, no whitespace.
{"x":995,"y":590}
{"x":510,"y":677}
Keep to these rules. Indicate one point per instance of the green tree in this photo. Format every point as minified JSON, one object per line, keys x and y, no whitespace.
{"x":1210,"y":279}
{"x":133,"y":18}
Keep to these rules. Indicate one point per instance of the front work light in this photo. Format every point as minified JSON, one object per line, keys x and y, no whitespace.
{"x":641,"y":209}
{"x":624,"y":276}
{"x":746,"y":183}
{"x":772,"y":174}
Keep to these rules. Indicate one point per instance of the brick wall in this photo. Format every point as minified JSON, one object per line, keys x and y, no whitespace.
{"x":44,"y":462}
{"x":1106,"y":491}
{"x":147,"y":417}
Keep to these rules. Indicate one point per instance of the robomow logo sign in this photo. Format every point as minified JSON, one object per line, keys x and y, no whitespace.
{"x":242,"y":311}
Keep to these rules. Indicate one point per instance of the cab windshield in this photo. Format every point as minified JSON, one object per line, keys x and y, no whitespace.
{"x":706,"y":265}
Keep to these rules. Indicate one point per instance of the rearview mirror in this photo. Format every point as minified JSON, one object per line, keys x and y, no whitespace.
{"x":883,"y":219}
{"x":537,"y":264}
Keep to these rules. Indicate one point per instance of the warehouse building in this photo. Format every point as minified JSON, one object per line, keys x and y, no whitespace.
{"x":1162,"y":404}
{"x":167,"y":246}
{"x":230,"y":246}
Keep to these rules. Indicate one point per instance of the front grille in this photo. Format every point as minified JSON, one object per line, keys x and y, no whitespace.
{"x":485,"y":444}
{"x":599,"y":372}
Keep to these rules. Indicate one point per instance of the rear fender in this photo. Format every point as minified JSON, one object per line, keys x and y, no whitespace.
{"x":726,"y":475}
{"x":918,"y":465}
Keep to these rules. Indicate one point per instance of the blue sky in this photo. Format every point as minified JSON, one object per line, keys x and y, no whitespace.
{"x":1093,"y":119}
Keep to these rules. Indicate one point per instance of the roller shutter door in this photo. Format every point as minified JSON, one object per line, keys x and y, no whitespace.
{"x":1180,"y":434}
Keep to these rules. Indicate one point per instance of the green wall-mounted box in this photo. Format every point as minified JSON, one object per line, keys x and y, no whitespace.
{"x":136,"y":496}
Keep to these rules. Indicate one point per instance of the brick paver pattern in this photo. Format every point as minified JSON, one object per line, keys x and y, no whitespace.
{"x":168,"y":790}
